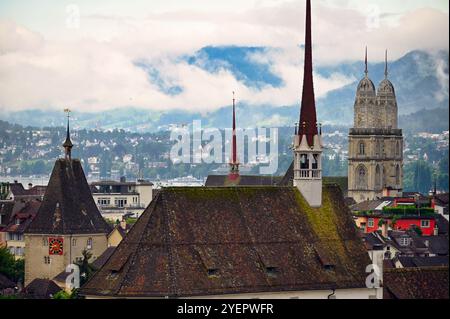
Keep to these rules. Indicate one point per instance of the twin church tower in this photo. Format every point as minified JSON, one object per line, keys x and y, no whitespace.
{"x":375,"y":163}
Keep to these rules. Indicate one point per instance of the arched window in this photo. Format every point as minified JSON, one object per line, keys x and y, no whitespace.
{"x":397,"y":148}
{"x":397,"y":175}
{"x":362,"y":148}
{"x":304,"y":161}
{"x":361,"y":174}
{"x":315,"y":161}
{"x":378,"y":175}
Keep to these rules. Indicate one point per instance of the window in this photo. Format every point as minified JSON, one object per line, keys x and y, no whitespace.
{"x":361,"y":177}
{"x":17,"y":221}
{"x":404,"y":241}
{"x":362,"y":148}
{"x":378,"y":181}
{"x":74,"y":242}
{"x":120,"y":202}
{"x":104,"y":201}
{"x":44,"y":241}
{"x":304,"y":161}
{"x":425,"y":223}
{"x":315,"y":163}
{"x":397,"y":148}
{"x":370,"y":222}
{"x":47,"y":260}
{"x":397,"y":175}
{"x":89,"y":243}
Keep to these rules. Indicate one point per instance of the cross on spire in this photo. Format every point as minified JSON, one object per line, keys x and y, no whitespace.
{"x":68,"y":143}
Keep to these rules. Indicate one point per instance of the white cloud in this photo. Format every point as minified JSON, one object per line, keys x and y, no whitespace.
{"x":92,"y":68}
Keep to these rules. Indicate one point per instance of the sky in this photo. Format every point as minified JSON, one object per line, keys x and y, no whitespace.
{"x":96,"y":55}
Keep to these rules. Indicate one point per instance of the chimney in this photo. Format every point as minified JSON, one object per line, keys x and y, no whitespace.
{"x":436,"y":230}
{"x":30,"y":185}
{"x":123,"y":224}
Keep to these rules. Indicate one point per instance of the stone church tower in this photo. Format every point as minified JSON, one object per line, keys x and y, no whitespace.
{"x":375,"y":163}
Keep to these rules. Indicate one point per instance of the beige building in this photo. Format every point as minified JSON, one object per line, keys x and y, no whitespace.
{"x":67,"y":222}
{"x":375,"y":163}
{"x":116,"y":199}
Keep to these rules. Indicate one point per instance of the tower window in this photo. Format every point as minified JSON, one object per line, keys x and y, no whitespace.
{"x":397,"y":149}
{"x":315,"y":163}
{"x":362,"y":148}
{"x":397,"y":175}
{"x":304,"y":161}
{"x":362,"y":178}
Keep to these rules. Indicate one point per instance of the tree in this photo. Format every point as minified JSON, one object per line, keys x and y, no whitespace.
{"x":11,"y":268}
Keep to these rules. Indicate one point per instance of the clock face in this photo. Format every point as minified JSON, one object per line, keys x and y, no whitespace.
{"x":55,"y":245}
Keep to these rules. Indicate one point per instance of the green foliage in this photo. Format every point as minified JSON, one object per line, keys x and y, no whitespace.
{"x":11,"y":268}
{"x":130,"y":220}
{"x":65,"y":295}
{"x":418,"y":177}
{"x":408,"y":210}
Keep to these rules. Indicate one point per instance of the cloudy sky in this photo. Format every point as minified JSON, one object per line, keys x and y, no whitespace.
{"x":89,"y":55}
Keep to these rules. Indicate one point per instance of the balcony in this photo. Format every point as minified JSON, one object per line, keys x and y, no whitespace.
{"x":308,"y":174}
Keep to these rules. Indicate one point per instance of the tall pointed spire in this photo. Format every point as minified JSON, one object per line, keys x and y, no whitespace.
{"x":366,"y":70}
{"x":68,"y":143}
{"x":385,"y":65}
{"x":234,"y":164}
{"x":308,"y":119}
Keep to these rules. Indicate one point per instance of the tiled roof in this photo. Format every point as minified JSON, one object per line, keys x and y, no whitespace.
{"x":442,"y":199}
{"x":423,"y":261}
{"x":41,"y":289}
{"x":416,"y":283}
{"x":68,"y":206}
{"x":25,"y":211}
{"x":208,"y":241}
{"x":242,"y":180}
{"x":6,"y":209}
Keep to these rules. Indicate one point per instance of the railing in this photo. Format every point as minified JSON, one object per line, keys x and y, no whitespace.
{"x":308,"y":174}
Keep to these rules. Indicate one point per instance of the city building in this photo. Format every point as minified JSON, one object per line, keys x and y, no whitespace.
{"x":375,"y":161}
{"x":245,"y":242}
{"x":21,"y":217}
{"x":67,"y":223}
{"x":16,"y":191}
{"x":116,"y":199}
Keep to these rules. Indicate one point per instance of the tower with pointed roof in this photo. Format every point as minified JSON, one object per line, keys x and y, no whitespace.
{"x":307,"y":140}
{"x":67,"y":222}
{"x":375,"y":164}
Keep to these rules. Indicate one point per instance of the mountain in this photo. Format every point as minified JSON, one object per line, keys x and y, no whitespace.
{"x":420,"y":79}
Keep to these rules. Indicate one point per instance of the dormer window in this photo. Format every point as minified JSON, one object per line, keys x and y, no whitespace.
{"x":272,"y":271}
{"x":404,"y":241}
{"x":213,"y":272}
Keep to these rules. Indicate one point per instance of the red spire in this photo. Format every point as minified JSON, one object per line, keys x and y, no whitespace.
{"x":308,"y":119}
{"x":234,"y":165}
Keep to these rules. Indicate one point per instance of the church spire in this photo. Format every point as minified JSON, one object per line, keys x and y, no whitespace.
{"x":234,"y":164}
{"x":308,"y":118}
{"x":385,"y":65}
{"x":366,"y":70}
{"x":68,"y":143}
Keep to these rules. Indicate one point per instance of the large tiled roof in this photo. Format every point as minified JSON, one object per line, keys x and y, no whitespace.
{"x":242,"y":180}
{"x":416,"y":283}
{"x":208,"y":241}
{"x":68,"y":206}
{"x":25,"y":211}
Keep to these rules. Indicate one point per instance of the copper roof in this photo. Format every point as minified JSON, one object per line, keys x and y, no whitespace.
{"x":207,"y":241}
{"x":68,"y":206}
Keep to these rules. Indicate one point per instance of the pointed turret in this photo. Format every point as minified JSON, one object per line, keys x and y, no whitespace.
{"x":308,"y":119}
{"x":234,"y":163}
{"x":68,"y":143}
{"x":307,"y":142}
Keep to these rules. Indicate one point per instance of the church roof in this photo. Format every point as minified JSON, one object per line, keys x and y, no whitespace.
{"x":386,"y":88}
{"x":366,"y":87}
{"x":242,"y":180}
{"x":228,"y":240}
{"x":68,"y":206}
